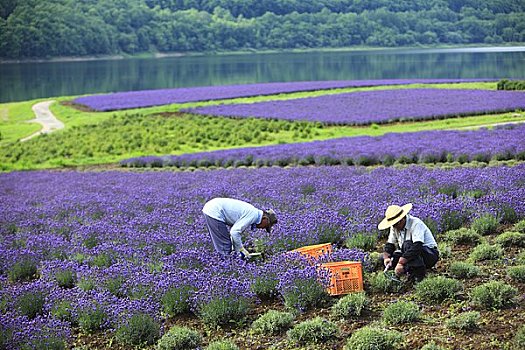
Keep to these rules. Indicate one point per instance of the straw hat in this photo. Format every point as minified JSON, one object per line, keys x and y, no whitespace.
{"x":394,"y":214}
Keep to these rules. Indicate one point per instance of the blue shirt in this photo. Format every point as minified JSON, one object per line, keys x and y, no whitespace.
{"x":235,"y":213}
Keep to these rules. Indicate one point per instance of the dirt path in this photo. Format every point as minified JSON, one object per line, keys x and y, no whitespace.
{"x":44,"y":117}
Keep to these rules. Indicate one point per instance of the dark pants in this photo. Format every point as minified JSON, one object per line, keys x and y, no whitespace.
{"x":220,"y":235}
{"x":416,"y":267}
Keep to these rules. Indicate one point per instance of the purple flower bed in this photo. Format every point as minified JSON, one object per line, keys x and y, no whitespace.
{"x":382,"y":106}
{"x":148,"y":98}
{"x":505,"y":142}
{"x":151,"y":228}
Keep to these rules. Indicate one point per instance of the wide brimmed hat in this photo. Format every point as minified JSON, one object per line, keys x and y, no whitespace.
{"x":272,"y":219}
{"x":394,"y":214}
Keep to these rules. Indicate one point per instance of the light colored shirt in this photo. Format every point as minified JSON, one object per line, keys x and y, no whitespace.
{"x":235,"y":213}
{"x":414,"y":230}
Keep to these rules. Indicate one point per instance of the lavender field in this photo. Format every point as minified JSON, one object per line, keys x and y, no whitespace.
{"x":383,"y":106}
{"x":126,"y":240}
{"x":148,"y":98}
{"x":500,"y":143}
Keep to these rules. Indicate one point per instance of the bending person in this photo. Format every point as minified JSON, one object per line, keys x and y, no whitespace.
{"x":227,"y":218}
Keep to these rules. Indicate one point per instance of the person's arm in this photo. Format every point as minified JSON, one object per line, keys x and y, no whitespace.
{"x":389,"y":248}
{"x":240,"y":225}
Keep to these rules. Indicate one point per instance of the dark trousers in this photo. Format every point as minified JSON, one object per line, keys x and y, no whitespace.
{"x":417,"y":265}
{"x":220,"y":235}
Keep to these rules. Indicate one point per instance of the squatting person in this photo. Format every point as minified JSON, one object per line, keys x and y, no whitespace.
{"x":411,"y":247}
{"x":227,"y":218}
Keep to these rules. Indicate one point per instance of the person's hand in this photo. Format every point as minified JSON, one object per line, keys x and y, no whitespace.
{"x":400,"y":269}
{"x":387,"y":262}
{"x":244,"y":253}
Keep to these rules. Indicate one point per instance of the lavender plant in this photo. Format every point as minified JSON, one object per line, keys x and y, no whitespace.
{"x":392,"y":147}
{"x":381,"y":106}
{"x":146,"y":98}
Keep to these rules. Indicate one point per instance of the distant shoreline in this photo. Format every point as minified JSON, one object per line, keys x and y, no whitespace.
{"x":516,"y":47}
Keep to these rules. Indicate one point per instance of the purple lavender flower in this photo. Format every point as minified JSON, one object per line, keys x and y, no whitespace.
{"x":381,"y":106}
{"x":418,"y":147}
{"x":148,"y":98}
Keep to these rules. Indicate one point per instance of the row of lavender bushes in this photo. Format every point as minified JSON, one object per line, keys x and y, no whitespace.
{"x":378,"y":106}
{"x":148,"y":98}
{"x":500,"y":143}
{"x":94,"y":250}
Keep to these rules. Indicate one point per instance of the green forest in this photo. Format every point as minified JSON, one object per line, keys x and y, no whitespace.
{"x":57,"y":28}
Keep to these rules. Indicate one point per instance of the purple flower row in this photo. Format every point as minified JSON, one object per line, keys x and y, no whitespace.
{"x":151,"y":227}
{"x":381,"y":106}
{"x":148,"y":98}
{"x":505,"y":142}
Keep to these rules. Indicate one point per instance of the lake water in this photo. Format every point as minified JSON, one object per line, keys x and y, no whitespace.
{"x":25,"y":81}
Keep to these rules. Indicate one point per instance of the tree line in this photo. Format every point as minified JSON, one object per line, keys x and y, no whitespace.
{"x":54,"y":28}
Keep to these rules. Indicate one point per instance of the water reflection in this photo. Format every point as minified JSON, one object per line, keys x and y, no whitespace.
{"x":24,"y":81}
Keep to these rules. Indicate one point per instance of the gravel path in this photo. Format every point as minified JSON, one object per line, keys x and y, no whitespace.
{"x":44,"y":117}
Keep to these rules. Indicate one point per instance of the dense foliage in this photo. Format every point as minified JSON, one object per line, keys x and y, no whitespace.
{"x":429,"y":147}
{"x":121,"y":135}
{"x":506,"y":84}
{"x":34,"y":28}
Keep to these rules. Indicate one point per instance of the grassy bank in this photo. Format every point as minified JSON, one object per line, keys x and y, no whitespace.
{"x":91,"y":138}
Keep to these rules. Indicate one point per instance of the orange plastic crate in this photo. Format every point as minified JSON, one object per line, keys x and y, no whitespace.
{"x":315,"y":251}
{"x":345,"y":277}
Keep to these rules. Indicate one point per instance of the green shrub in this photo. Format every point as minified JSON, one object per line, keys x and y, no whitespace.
{"x":461,"y":269}
{"x":519,"y":338}
{"x":364,"y":241}
{"x":505,"y":84}
{"x":494,"y":295}
{"x":222,"y":345}
{"x":375,"y":262}
{"x":485,"y":224}
{"x":521,"y":258}
{"x":179,"y":338}
{"x":379,"y":283}
{"x":114,"y":286}
{"x":273,"y":322}
{"x":465,"y":321}
{"x":5,"y":336}
{"x":266,"y":286}
{"x":101,"y":260}
{"x":511,"y":238}
{"x":507,"y":214}
{"x":92,"y":320}
{"x":462,"y":236}
{"x":485,"y":251}
{"x":445,"y":251}
{"x":317,"y":330}
{"x":519,"y":226}
{"x":23,"y":270}
{"x":370,"y":338}
{"x":86,"y":284}
{"x":438,"y":288}
{"x":140,"y":329}
{"x":221,"y":311}
{"x":432,"y":346}
{"x":31,"y":304}
{"x":401,"y":312}
{"x":91,"y":241}
{"x":351,"y":305}
{"x":176,"y":300}
{"x":62,"y":311}
{"x":305,"y":294}
{"x":517,"y":273}
{"x":66,"y":278}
